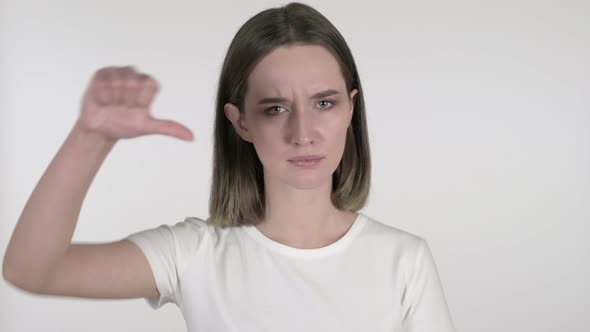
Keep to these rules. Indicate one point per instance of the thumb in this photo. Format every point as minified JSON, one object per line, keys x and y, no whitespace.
{"x":168,"y":128}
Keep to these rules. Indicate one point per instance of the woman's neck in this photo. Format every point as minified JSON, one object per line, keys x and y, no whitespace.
{"x":303,"y":219}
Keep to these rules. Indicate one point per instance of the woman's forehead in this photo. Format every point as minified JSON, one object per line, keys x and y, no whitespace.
{"x":303,"y":69}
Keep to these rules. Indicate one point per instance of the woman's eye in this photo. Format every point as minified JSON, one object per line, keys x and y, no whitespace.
{"x":273,"y":110}
{"x":331,"y":103}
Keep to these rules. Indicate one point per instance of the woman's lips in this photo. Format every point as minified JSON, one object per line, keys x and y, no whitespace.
{"x":306,"y":157}
{"x":306,"y":162}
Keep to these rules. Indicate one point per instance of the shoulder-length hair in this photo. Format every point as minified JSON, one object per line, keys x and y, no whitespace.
{"x":237,"y":186}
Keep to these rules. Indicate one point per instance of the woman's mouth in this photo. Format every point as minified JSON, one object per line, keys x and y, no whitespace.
{"x":306,"y":162}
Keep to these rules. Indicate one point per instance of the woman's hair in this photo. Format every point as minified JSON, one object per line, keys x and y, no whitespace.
{"x":237,"y":188}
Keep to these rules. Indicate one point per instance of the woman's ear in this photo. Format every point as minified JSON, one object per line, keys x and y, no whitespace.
{"x":233,"y":114}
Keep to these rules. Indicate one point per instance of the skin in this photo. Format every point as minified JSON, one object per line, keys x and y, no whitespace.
{"x":299,"y":212}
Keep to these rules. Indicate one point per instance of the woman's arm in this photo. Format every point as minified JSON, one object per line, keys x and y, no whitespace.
{"x":45,"y":228}
{"x":40,"y":257}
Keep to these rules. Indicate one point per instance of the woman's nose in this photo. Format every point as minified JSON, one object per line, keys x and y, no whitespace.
{"x":301,"y":127}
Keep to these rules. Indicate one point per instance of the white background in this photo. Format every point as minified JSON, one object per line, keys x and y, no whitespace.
{"x":479,"y":121}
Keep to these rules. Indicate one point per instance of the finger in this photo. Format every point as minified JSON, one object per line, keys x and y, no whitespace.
{"x":118,"y":84}
{"x":130,"y":86}
{"x":147,"y":91}
{"x":169,"y":128}
{"x":100,"y":89}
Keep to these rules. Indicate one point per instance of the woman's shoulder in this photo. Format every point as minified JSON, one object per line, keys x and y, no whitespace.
{"x":382,"y":230}
{"x":405,"y":247}
{"x":189,"y":226}
{"x":194,"y":223}
{"x":183,"y":235}
{"x":194,"y":228}
{"x":199,"y":231}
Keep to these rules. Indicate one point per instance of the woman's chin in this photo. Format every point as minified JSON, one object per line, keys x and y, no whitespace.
{"x":309,"y":181}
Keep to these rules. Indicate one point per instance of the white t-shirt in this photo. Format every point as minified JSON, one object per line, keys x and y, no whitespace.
{"x":375,"y":278}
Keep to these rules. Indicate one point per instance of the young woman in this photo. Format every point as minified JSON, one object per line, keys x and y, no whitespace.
{"x":284,"y":247}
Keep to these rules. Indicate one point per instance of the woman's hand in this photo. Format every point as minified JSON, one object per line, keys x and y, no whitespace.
{"x":117,"y":105}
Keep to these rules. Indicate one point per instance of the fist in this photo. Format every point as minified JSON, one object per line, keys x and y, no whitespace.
{"x":117,"y":105}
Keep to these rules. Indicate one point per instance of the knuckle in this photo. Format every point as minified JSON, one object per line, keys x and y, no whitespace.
{"x":102,"y":70}
{"x":151,"y":83}
{"x":103,"y":84}
{"x":132,"y":83}
{"x":117,"y":82}
{"x":100,"y":74}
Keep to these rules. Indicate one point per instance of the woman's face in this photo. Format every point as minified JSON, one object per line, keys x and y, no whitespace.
{"x":296,"y":105}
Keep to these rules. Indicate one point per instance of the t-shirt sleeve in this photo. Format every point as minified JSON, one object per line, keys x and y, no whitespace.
{"x":168,"y":250}
{"x":423,"y":303}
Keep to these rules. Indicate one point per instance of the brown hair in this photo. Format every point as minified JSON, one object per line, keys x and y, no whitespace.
{"x":237,"y":186}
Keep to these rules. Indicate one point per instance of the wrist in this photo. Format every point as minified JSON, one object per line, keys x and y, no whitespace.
{"x":80,"y":133}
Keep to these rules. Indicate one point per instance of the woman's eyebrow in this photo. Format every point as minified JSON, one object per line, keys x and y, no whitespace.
{"x":321,"y":94}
